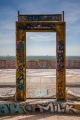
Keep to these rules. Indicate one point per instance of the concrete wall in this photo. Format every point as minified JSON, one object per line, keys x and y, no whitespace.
{"x":39,"y":64}
{"x":44,"y":107}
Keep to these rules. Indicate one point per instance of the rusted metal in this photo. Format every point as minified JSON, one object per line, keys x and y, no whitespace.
{"x":62,"y":16}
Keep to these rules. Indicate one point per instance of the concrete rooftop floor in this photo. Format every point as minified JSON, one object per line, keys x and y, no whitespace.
{"x":40,"y":83}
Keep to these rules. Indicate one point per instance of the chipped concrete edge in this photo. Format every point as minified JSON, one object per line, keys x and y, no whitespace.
{"x":43,"y":106}
{"x":9,"y":106}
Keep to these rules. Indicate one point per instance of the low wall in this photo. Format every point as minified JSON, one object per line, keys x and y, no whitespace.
{"x":39,"y":64}
{"x":42,"y":106}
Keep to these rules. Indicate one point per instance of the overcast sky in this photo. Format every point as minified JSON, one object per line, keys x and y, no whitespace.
{"x":39,"y":43}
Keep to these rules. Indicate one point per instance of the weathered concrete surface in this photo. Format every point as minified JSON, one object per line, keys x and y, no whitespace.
{"x":41,"y":84}
{"x":39,"y":116}
{"x":9,"y":75}
{"x":39,"y":105}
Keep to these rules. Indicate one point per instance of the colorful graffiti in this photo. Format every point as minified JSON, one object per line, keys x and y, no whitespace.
{"x":21,"y":65}
{"x":21,"y":29}
{"x":21,"y":82}
{"x":41,"y":93}
{"x":60,"y":59}
{"x":45,"y":107}
{"x":56,"y":17}
{"x":60,"y":65}
{"x":37,"y":26}
{"x":20,"y":69}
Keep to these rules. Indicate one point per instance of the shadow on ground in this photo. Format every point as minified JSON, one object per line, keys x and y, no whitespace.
{"x":41,"y":116}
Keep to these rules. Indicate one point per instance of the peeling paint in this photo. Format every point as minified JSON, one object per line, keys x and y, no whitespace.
{"x":21,"y":29}
{"x":48,"y":107}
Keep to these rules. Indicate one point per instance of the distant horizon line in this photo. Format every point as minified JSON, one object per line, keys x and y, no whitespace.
{"x":35,"y":55}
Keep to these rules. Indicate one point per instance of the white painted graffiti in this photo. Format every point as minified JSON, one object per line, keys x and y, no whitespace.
{"x":51,"y":107}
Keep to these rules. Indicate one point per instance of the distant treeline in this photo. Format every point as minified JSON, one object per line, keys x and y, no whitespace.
{"x":39,"y":57}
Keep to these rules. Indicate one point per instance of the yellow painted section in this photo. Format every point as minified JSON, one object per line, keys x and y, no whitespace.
{"x":77,"y":106}
{"x":21,"y":29}
{"x":60,"y":77}
{"x":21,"y":65}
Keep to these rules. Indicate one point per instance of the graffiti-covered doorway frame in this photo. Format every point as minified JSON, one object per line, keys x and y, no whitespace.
{"x":40,"y":24}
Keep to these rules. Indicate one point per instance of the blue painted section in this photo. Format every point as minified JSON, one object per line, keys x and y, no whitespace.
{"x":56,"y":103}
{"x":22,"y":46}
{"x":4,"y":109}
{"x":41,"y":93}
{"x":46,"y":111}
{"x":61,"y":106}
{"x":15,"y":108}
{"x":21,"y":86}
{"x":52,"y":107}
{"x":28,"y":108}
